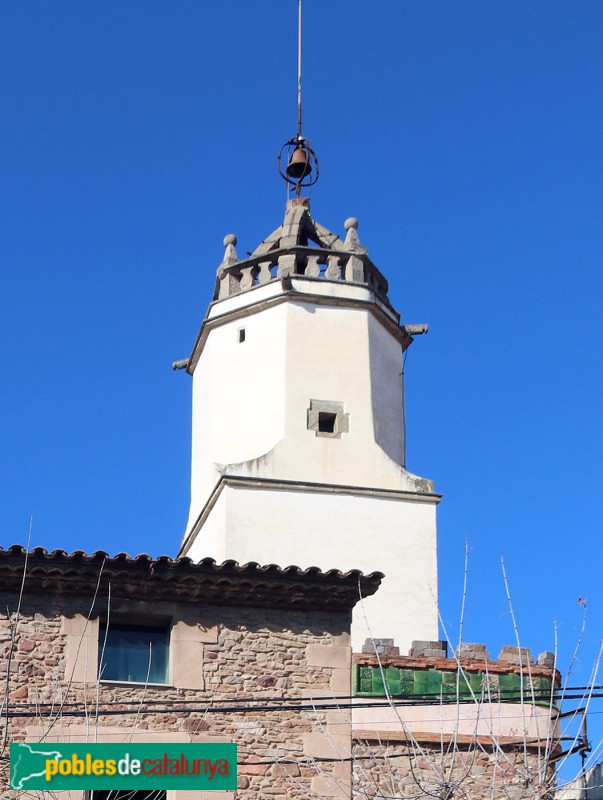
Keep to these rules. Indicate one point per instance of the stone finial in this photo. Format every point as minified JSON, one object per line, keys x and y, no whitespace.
{"x":352,"y":242}
{"x":230,"y":254}
{"x":229,"y":283}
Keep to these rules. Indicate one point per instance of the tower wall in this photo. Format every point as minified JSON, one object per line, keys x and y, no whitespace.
{"x":251,"y":398}
{"x":238,"y":399}
{"x":298,"y":425}
{"x":268,"y":486}
{"x":321,"y":526}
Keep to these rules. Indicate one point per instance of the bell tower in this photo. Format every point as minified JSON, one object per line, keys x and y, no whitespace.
{"x":298,"y":440}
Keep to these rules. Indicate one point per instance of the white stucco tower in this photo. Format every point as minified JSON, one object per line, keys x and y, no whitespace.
{"x":298,"y":452}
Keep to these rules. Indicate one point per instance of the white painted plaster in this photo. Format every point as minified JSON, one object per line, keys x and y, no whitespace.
{"x":250,"y":400}
{"x":253,"y":296}
{"x":238,"y":399}
{"x":343,"y":531}
{"x":492,"y":720}
{"x":339,"y":290}
{"x":267,"y":291}
{"x":250,"y":404}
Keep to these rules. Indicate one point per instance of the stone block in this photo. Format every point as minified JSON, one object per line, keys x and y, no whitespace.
{"x":207,"y":633}
{"x":81,"y":648}
{"x":341,"y":680}
{"x":323,"y":786}
{"x":266,"y":681}
{"x":316,"y":692}
{"x":286,"y":265}
{"x":546,"y":659}
{"x":422,"y":647}
{"x":473,"y":650}
{"x":354,"y":270}
{"x":329,"y":655}
{"x":252,"y":769}
{"x":338,"y":718}
{"x":322,"y":745}
{"x":515,"y":655}
{"x":181,"y":795}
{"x":186,"y":659}
{"x":343,"y":770}
{"x":382,"y":647}
{"x":340,"y":724}
{"x":292,"y":770}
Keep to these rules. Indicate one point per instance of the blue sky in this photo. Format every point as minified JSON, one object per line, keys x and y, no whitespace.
{"x":466,"y":137}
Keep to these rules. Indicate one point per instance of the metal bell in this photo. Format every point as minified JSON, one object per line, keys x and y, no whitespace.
{"x":298,"y":167}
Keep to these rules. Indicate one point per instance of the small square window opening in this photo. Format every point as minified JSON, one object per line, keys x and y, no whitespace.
{"x":326,"y":422}
{"x":133,"y":653}
{"x":327,"y":418}
{"x":241,"y":335}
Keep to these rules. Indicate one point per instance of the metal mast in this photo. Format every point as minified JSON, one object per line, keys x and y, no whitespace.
{"x":299,"y":69}
{"x":302,"y":164}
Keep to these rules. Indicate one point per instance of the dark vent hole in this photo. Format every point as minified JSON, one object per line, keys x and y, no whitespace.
{"x":326,"y":422}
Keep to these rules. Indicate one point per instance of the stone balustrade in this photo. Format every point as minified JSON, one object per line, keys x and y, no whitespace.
{"x":311,"y":262}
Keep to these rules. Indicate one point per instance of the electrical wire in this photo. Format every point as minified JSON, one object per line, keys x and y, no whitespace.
{"x":503,"y":694}
{"x":74,"y":711}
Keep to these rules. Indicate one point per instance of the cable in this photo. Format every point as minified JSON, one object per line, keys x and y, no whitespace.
{"x":240,"y":709}
{"x":508,"y":695}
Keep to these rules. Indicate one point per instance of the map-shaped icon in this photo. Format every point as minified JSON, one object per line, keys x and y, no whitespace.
{"x":30,"y":762}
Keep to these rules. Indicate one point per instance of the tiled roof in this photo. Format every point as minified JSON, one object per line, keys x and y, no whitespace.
{"x":181,"y":579}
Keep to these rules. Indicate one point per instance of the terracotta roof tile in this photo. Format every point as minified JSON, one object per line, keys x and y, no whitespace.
{"x":166,"y":578}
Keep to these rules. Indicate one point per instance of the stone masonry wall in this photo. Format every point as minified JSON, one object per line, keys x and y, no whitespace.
{"x":244,"y":653}
{"x":498,"y":740}
{"x":458,"y":773}
{"x":226,"y":657}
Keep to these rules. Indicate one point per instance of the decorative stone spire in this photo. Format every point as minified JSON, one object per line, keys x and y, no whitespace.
{"x":228,"y":276}
{"x":230,"y":255}
{"x":300,"y":247}
{"x":298,"y":229}
{"x":352,"y":242}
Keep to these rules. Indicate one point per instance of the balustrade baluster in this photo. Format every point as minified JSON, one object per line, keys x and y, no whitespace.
{"x":246,"y":278}
{"x":313,"y":267}
{"x":333,"y":270}
{"x":265,"y":274}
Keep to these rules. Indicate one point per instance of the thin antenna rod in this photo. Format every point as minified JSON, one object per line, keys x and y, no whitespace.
{"x":301,"y":163}
{"x":299,"y":70}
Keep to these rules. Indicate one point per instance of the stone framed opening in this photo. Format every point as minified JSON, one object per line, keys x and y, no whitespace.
{"x":328,"y":419}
